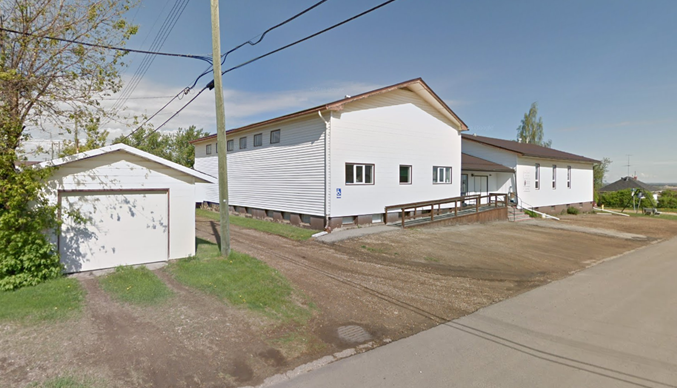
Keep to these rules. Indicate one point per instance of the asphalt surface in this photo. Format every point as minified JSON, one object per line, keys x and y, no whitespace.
{"x":612,"y":325}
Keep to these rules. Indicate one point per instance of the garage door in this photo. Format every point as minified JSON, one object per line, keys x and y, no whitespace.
{"x":123,"y":228}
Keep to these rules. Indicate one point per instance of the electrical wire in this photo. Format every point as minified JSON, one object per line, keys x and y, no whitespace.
{"x":263,"y":35}
{"x":210,"y":85}
{"x":308,"y":37}
{"x":159,"y":40}
{"x":184,"y":91}
{"x":154,"y":53}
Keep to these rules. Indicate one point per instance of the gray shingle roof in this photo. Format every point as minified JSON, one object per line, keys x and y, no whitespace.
{"x":628,"y":183}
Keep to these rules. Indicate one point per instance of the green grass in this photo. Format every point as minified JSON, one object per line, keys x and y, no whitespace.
{"x":241,"y":280}
{"x":66,"y":382}
{"x":52,"y":300}
{"x":284,"y":230}
{"x":374,"y":250}
{"x":139,"y":286}
{"x":640,"y":213}
{"x":434,"y":260}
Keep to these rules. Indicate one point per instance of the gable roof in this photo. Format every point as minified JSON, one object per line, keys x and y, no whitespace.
{"x":204,"y":178}
{"x":628,"y":183}
{"x":526,"y":149}
{"x":416,"y":85}
{"x":473,"y":163}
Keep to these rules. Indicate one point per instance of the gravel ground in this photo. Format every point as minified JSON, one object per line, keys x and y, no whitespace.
{"x":392,"y":285}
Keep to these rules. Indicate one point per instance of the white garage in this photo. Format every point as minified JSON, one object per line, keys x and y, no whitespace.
{"x":138,"y":208}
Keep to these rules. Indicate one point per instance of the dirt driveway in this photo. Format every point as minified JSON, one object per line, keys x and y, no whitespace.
{"x":392,"y":285}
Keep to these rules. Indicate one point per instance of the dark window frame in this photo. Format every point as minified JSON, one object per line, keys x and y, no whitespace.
{"x":208,"y":149}
{"x":230,"y":145}
{"x":410,"y":175}
{"x":568,"y":177}
{"x":554,"y":177}
{"x":537,"y":176}
{"x":243,"y":145}
{"x":260,"y":137}
{"x":273,"y":139}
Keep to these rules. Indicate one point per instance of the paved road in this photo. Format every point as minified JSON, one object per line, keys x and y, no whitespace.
{"x":613,"y":325}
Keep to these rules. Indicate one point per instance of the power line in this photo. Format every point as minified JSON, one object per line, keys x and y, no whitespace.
{"x":184,"y":91}
{"x":210,"y":85}
{"x":175,"y":114}
{"x":262,"y":35}
{"x":203,"y":58}
{"x":159,"y":41}
{"x":309,"y":36}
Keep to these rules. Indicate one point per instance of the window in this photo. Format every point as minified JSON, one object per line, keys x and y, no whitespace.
{"x":554,"y":176}
{"x":209,"y":149}
{"x":441,"y":174}
{"x":568,"y":177}
{"x":405,"y":175}
{"x":359,"y":174}
{"x":537,"y":177}
{"x":230,"y":145}
{"x":464,"y":184}
{"x":275,"y":136}
{"x":243,"y":143}
{"x":258,"y":140}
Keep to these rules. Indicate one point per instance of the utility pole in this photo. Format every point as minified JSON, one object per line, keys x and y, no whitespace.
{"x":220,"y":131}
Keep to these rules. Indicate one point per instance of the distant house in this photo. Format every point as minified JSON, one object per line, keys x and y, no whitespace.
{"x":629,"y":182}
{"x":538,"y":178}
{"x":342,"y":162}
{"x":140,"y":208}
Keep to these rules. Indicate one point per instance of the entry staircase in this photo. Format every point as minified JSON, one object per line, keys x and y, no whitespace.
{"x":517,"y":215}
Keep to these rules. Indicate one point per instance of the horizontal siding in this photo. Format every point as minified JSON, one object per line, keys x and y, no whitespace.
{"x":389,"y":130}
{"x":581,"y":183}
{"x":287,"y":176}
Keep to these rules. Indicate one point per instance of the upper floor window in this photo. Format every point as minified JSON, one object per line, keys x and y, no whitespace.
{"x":554,"y":176}
{"x":359,"y":174}
{"x":537,"y":176}
{"x":243,"y":143}
{"x":275,"y":136}
{"x":230,"y":145}
{"x":209,"y":149}
{"x":258,"y":140}
{"x":568,"y":177}
{"x":441,"y":174}
{"x":405,"y":175}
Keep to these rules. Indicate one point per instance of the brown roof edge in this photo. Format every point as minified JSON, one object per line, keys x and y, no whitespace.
{"x":336,"y":105}
{"x":527,"y":150}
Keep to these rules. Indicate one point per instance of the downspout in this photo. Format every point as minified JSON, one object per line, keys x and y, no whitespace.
{"x":327,"y":168}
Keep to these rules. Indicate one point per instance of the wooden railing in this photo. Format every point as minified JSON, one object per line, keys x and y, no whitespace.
{"x":464,"y":202}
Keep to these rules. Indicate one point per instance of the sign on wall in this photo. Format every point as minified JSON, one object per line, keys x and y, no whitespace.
{"x":338,"y":193}
{"x":527,"y":181}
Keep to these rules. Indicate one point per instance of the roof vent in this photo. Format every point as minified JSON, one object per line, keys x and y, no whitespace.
{"x":519,"y":140}
{"x":347,"y":96}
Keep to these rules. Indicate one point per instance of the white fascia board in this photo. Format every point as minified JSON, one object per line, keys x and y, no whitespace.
{"x":202,"y":177}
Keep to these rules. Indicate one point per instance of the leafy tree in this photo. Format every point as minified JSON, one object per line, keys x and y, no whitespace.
{"x":47,"y":84}
{"x":94,"y":138}
{"x":171,"y":146}
{"x":668,"y":199}
{"x":531,"y":129}
{"x":599,"y":171}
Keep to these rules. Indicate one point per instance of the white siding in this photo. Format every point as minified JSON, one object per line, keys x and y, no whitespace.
{"x":498,"y":182}
{"x":581,"y":182}
{"x":389,"y":130}
{"x":492,"y":154}
{"x":123,"y":171}
{"x":287,"y":176}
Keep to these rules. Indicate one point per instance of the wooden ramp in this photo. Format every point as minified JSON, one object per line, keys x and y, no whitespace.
{"x":449,"y":211}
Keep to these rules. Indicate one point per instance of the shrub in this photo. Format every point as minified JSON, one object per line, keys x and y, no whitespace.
{"x":27,"y":257}
{"x":667,"y":199}
{"x":623,"y":198}
{"x":572,"y":210}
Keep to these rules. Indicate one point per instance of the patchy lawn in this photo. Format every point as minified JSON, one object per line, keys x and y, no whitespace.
{"x":52,"y":300}
{"x":68,"y":382}
{"x":284,"y":230}
{"x":242,"y":281}
{"x":138,"y":286}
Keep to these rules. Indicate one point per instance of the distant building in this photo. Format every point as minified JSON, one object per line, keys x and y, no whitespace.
{"x":629,"y":182}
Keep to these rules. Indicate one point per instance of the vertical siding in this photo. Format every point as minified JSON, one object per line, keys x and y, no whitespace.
{"x":287,"y":176}
{"x":581,"y":182}
{"x":389,"y":130}
{"x":123,"y":171}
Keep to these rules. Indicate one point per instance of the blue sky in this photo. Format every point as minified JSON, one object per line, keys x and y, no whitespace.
{"x":602,"y":72}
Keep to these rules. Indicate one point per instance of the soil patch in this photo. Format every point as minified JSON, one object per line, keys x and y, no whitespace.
{"x":388,"y":285}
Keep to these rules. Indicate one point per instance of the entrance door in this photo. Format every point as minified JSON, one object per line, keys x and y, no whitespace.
{"x":482,"y":186}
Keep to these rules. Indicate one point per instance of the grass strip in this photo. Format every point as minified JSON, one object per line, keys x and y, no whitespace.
{"x":241,"y":280}
{"x":284,"y":230}
{"x":54,"y":299}
{"x":66,"y":382}
{"x":138,"y":286}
